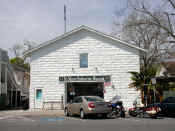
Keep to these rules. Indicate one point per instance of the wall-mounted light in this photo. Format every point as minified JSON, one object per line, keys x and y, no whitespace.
{"x":96,"y":68}
{"x":73,"y":70}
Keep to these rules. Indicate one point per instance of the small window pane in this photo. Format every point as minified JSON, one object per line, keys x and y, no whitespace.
{"x":84,"y":60}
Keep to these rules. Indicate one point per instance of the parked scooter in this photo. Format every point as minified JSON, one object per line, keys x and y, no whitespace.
{"x":117,"y":110}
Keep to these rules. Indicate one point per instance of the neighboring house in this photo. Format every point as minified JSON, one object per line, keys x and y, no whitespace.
{"x":82,"y":62}
{"x":166,"y":75}
{"x":3,"y":79}
{"x":11,"y":90}
{"x":167,"y":65}
{"x":22,"y":77}
{"x":167,"y":68}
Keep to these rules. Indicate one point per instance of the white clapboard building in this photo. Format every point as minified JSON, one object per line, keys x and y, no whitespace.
{"x":82,"y":62}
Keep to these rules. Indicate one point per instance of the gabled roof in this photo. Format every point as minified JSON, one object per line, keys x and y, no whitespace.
{"x":79,"y":29}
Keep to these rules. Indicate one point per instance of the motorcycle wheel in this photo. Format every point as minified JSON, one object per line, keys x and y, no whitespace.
{"x":141,"y":115}
{"x":112,"y":115}
{"x":132,"y":113}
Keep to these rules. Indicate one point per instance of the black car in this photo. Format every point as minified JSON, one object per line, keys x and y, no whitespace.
{"x":167,"y":106}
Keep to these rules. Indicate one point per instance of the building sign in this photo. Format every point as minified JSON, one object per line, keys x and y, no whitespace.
{"x":85,"y":78}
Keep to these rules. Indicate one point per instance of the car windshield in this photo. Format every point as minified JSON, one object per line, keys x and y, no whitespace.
{"x":94,"y":99}
{"x":169,"y":100}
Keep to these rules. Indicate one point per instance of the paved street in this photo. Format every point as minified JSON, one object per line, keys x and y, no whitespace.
{"x":32,"y":113}
{"x":41,"y":123}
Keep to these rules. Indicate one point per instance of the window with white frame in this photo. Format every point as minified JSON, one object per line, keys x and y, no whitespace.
{"x":84,"y":60}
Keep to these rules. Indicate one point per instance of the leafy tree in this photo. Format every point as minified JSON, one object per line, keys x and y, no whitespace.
{"x":20,"y":62}
{"x":18,"y":50}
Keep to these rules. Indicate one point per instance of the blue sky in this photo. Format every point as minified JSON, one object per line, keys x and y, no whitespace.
{"x":42,"y":20}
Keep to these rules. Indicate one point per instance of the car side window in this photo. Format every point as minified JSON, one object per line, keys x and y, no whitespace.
{"x":165,"y":101}
{"x":173,"y":99}
{"x":169,"y":100}
{"x":77,"y":100}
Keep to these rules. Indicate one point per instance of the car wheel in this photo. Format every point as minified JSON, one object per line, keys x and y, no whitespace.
{"x":66,"y":112}
{"x":82,"y":115}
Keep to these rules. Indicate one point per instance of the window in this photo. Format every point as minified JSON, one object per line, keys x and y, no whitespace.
{"x":84,"y":60}
{"x":173,"y":99}
{"x":169,"y":100}
{"x":77,"y":99}
{"x":94,"y":99}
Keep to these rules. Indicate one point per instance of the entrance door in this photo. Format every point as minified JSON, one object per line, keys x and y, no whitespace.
{"x":39,"y":98}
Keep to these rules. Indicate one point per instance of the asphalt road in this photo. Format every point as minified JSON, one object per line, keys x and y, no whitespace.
{"x":39,"y":123}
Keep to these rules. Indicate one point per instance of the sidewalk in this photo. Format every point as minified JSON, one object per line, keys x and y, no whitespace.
{"x":32,"y":113}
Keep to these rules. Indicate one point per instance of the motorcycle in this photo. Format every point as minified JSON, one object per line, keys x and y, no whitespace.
{"x":150,"y":111}
{"x":117,"y":110}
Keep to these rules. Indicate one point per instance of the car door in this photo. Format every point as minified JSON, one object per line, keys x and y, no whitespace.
{"x":167,"y":105}
{"x":172,"y":105}
{"x":78,"y":105}
{"x":73,"y":105}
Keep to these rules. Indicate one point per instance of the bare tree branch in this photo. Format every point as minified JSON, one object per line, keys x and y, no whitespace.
{"x":172,"y":3}
{"x":137,"y":29}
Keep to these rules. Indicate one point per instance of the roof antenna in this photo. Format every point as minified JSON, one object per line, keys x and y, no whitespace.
{"x":65,"y":19}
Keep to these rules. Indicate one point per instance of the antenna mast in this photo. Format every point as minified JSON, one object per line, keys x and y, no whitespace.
{"x":65,"y":19}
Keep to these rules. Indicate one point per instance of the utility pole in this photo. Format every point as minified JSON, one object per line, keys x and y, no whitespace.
{"x":65,"y":19}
